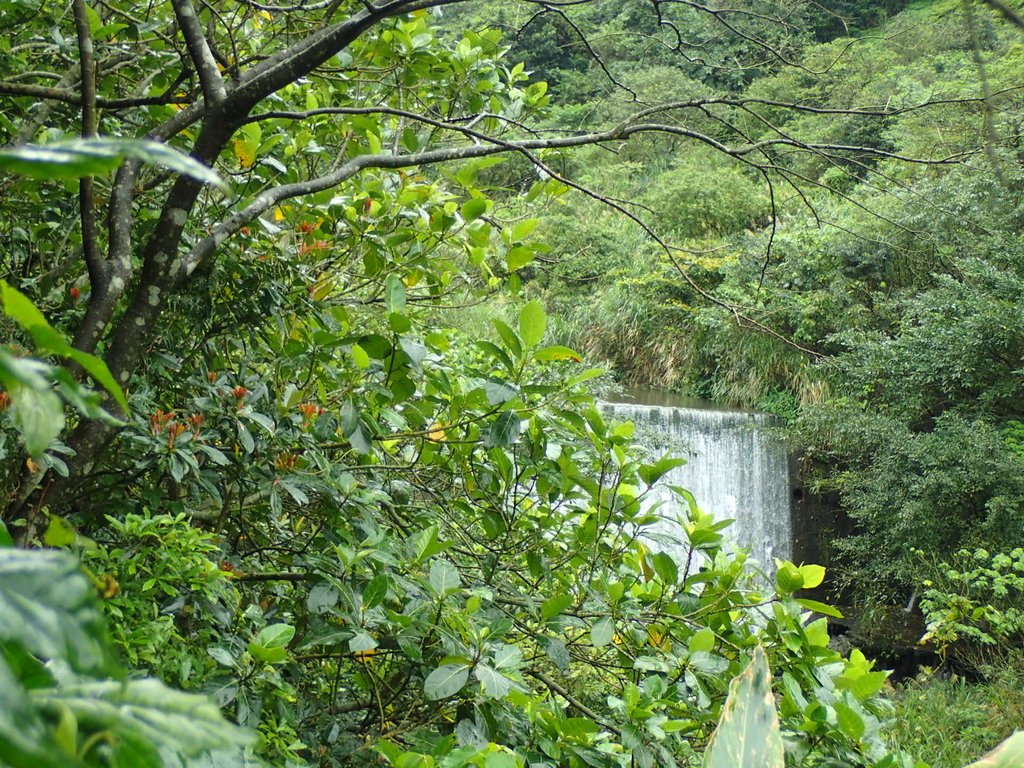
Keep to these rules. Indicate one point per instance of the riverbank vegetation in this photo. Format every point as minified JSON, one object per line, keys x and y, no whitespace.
{"x":305,"y":307}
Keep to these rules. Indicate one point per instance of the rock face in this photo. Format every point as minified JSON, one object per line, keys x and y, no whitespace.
{"x":736,"y":469}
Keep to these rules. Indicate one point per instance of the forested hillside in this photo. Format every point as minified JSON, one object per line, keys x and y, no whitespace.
{"x":304,"y":310}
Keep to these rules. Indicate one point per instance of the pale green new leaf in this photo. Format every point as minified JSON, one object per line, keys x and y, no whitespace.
{"x":748,"y":734}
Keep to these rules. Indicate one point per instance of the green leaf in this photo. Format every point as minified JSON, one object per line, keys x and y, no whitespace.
{"x":499,"y":392}
{"x":850,"y":722}
{"x":823,"y":608}
{"x":510,"y":337}
{"x":180,"y":723}
{"x":519,"y":257}
{"x":394,"y":293}
{"x":276,"y":635}
{"x":602,"y":632}
{"x":359,"y":356}
{"x":532,"y":323}
{"x":748,"y":734}
{"x":48,"y":340}
{"x":1009,"y":754}
{"x":788,"y":579}
{"x":473,"y":208}
{"x":445,"y":681}
{"x":555,"y":605}
{"x":552,"y":353}
{"x":25,"y":741}
{"x":702,"y":640}
{"x":504,"y":430}
{"x":665,"y":567}
{"x":495,"y":685}
{"x":812,"y":575}
{"x":271,"y":643}
{"x":59,"y":533}
{"x":38,"y":415}
{"x":444,"y":577}
{"x":5,"y":536}
{"x":651,"y":473}
{"x":89,"y":157}
{"x":50,"y":607}
{"x":376,"y":591}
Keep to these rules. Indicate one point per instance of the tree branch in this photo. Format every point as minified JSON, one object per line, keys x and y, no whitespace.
{"x":90,"y":125}
{"x":199,"y":51}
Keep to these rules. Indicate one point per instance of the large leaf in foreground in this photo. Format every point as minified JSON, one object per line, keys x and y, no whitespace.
{"x":49,"y":606}
{"x":748,"y":734}
{"x":146,"y":710}
{"x":1009,"y":754}
{"x":89,"y":157}
{"x":25,"y":741}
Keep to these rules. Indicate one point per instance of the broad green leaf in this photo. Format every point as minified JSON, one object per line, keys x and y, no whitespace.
{"x":48,"y":340}
{"x":59,"y":533}
{"x":823,"y":608}
{"x":1009,"y":754}
{"x":510,"y":337}
{"x":518,"y":257}
{"x":665,"y":567}
{"x":748,"y":734}
{"x":532,"y":323}
{"x":359,"y":356}
{"x":394,"y":293}
{"x":180,"y":723}
{"x":445,"y":681}
{"x":702,"y":640}
{"x":5,"y":536}
{"x":38,"y":415}
{"x":499,"y":392}
{"x":788,"y":579}
{"x":444,"y":577}
{"x":495,"y":685}
{"x":504,"y":430}
{"x":271,"y":643}
{"x":376,"y":591}
{"x":473,"y":208}
{"x":555,"y":605}
{"x":88,"y":157}
{"x":602,"y":632}
{"x":276,"y":635}
{"x":25,"y":740}
{"x":49,"y":605}
{"x":549,"y":354}
{"x":812,"y":575}
{"x":850,"y":721}
{"x":651,"y":473}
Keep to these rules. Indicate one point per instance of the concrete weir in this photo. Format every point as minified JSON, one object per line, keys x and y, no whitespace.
{"x":736,"y":467}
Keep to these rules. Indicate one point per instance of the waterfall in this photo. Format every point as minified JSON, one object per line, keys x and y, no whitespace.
{"x":736,"y":469}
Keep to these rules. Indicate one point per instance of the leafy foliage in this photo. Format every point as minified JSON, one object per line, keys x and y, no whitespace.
{"x":66,"y":713}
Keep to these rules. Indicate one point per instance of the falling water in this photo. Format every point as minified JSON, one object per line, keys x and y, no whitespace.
{"x":736,"y":469}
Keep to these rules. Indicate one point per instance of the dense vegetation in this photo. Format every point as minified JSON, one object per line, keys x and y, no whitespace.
{"x":299,"y":299}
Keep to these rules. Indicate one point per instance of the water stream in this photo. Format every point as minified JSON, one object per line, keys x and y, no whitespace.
{"x":736,"y":468}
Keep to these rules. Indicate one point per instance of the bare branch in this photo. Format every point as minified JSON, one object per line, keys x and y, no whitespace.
{"x":90,"y":124}
{"x":199,"y":51}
